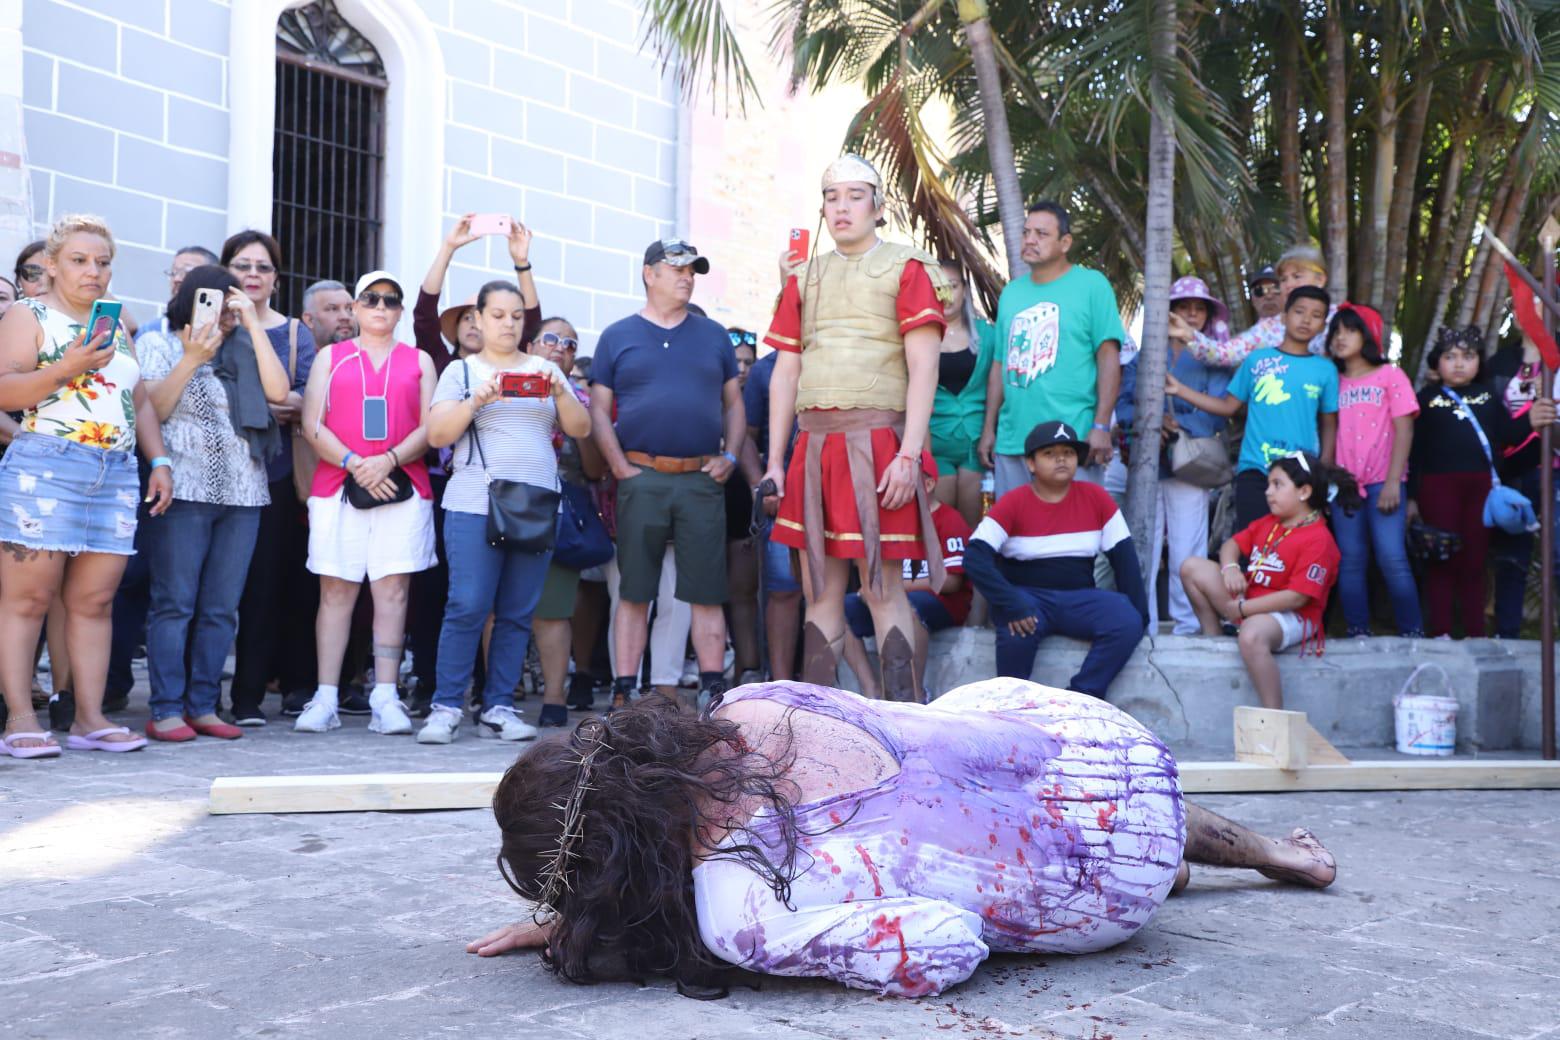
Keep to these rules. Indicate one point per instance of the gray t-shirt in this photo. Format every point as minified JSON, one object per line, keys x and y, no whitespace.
{"x":516,"y":435}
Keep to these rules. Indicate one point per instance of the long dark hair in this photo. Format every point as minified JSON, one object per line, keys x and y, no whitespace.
{"x":661,"y":779}
{"x":1330,"y":485}
{"x":1370,"y":350}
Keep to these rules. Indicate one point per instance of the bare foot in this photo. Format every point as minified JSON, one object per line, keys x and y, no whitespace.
{"x":1183,"y":875}
{"x":1302,"y":860}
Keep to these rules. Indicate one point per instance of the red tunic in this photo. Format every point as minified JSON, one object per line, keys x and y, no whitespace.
{"x":917,"y":306}
{"x":1301,"y":559}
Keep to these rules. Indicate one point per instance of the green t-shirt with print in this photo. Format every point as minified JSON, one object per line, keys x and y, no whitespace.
{"x":1047,"y":336}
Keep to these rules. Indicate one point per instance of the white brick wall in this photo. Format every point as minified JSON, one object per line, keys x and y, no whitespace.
{"x":553,"y":114}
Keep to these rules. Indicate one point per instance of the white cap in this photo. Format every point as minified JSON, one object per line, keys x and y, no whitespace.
{"x":377,"y":276}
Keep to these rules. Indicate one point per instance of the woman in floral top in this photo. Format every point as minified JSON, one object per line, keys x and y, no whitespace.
{"x":68,"y":486}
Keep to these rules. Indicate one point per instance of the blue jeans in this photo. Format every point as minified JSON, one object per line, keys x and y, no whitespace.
{"x":1367,"y":533}
{"x":132,"y":601}
{"x":1510,"y":555}
{"x":198,"y":554}
{"x":483,"y":581}
{"x":1107,"y":619}
{"x":928,"y":608}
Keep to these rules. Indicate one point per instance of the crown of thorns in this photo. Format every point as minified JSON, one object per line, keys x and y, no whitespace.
{"x":589,"y":740}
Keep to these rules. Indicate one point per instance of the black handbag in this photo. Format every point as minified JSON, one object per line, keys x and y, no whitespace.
{"x":521,"y":517}
{"x":357,"y":495}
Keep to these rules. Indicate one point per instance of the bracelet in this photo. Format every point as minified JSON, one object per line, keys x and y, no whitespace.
{"x":162,"y":460}
{"x":1240,"y":605}
{"x":1102,"y":427}
{"x":522,"y":270}
{"x":907,"y":458}
{"x":347,"y":458}
{"x":394,"y":456}
{"x":1227,"y":566}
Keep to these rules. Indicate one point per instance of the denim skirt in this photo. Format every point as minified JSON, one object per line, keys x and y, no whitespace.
{"x":58,"y":495}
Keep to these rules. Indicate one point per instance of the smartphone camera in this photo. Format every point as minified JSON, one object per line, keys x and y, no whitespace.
{"x":522,"y":384}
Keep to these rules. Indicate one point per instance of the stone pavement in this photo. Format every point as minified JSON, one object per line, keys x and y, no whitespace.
{"x":126,"y":911}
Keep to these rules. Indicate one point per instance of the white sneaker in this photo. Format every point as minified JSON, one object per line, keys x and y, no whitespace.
{"x":318,"y":717}
{"x":505,"y":724}
{"x":390,"y":718}
{"x":690,"y":674}
{"x":443,"y":726}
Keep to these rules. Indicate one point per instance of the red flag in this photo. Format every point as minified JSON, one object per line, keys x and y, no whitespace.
{"x":1530,"y":315}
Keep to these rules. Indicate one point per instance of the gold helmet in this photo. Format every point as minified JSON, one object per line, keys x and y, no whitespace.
{"x":853,"y":168}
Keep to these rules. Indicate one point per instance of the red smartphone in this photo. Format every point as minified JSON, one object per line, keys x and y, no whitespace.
{"x":801,"y":242}
{"x":523,"y":384}
{"x":490,"y":224}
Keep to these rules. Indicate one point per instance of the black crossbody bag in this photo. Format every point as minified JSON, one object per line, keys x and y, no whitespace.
{"x":521,"y":517}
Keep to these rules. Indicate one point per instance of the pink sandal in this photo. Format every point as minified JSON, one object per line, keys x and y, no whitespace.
{"x":94,"y":741}
{"x":48,"y":750}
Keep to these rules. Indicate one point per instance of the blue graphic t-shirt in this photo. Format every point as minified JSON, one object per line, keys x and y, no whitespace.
{"x":1284,"y":393}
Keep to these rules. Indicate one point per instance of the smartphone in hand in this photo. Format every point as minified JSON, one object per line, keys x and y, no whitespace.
{"x":104,"y":318}
{"x":208,"y":307}
{"x":490,"y":224}
{"x":523,"y":384}
{"x":801,"y":244}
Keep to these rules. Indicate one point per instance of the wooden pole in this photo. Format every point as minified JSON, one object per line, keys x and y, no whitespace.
{"x":1547,"y":237}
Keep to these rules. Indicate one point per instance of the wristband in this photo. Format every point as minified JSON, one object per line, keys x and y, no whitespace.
{"x":162,"y":460}
{"x":347,"y":458}
{"x":522,"y":270}
{"x":907,"y":458}
{"x":729,"y":457}
{"x":1102,"y":427}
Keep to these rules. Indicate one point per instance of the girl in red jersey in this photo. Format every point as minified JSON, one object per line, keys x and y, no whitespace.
{"x":1277,"y":602}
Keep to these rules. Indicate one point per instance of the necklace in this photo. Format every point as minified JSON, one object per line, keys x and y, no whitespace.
{"x":1271,"y":543}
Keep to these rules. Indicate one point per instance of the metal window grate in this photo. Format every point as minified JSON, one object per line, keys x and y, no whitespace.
{"x":328,"y":162}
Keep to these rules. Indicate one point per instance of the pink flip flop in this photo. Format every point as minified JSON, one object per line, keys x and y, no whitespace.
{"x":94,"y":741}
{"x":45,"y":751}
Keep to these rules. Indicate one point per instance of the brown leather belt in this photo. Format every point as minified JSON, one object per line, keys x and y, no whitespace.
{"x":667,"y":463}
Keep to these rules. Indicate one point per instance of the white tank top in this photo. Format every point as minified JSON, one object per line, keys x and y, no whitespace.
{"x":96,"y":408}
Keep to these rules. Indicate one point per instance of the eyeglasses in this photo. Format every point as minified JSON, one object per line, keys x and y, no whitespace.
{"x":371,"y":299}
{"x":248,"y":268}
{"x":740,"y":338}
{"x":30,"y":272}
{"x":1259,"y":291}
{"x":552,"y":339}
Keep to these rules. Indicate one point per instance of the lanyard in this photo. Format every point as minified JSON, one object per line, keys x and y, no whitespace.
{"x":384,"y":389}
{"x":1271,"y":545}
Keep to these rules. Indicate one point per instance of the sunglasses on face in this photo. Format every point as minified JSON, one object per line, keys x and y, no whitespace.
{"x":1264,"y":290}
{"x":371,"y":299}
{"x":30,"y":272}
{"x":248,"y":268}
{"x":552,"y":339}
{"x":739,"y":339}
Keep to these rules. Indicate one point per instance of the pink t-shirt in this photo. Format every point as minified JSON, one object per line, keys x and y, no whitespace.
{"x":1366,"y":407}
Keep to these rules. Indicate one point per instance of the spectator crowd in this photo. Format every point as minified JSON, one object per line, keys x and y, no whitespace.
{"x":419,"y":533}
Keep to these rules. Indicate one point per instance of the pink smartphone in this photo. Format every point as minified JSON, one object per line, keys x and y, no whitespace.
{"x":490,"y":224}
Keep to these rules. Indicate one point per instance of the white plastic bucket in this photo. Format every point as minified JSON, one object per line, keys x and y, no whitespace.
{"x":1425,"y":724}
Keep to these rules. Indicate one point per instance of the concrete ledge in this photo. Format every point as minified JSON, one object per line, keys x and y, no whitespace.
{"x":1186,"y":687}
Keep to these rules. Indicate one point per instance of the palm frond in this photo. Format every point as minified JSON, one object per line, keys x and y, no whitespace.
{"x":696,"y":38}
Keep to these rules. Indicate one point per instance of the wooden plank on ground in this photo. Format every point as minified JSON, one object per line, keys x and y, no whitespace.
{"x":378,"y":792}
{"x":1271,"y":737}
{"x":356,"y":792}
{"x":1393,"y":775}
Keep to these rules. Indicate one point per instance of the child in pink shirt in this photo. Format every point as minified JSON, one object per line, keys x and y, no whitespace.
{"x":1376,"y":409}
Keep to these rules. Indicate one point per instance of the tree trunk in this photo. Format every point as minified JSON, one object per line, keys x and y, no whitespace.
{"x":1400,"y":221}
{"x":1287,"y":109}
{"x":1491,"y":278}
{"x":1143,"y":476}
{"x":999,"y":140}
{"x":1456,"y":253}
{"x":1381,"y":195}
{"x":1118,"y":211}
{"x":1473,"y":288}
{"x":1337,"y":154}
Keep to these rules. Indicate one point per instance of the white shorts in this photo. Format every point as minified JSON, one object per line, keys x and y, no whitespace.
{"x":1294,"y":628}
{"x":350,"y":543}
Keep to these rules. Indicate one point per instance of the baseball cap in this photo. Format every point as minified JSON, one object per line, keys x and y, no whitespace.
{"x":1265,"y":274}
{"x":1048,"y":434}
{"x":377,"y":276}
{"x":678,"y":253}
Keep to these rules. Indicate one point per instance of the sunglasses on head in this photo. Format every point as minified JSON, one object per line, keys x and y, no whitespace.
{"x":1259,"y":291}
{"x":552,"y":339}
{"x":740,"y":339}
{"x":30,"y":272}
{"x":371,"y":299}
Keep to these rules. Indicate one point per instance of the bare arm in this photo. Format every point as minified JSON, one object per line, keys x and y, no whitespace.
{"x":1225,"y":406}
{"x":734,"y":432}
{"x":605,"y":436}
{"x":986,"y":447}
{"x":22,"y":383}
{"x":573,"y":418}
{"x":148,"y":437}
{"x":325,"y":443}
{"x":782,"y":413}
{"x":1107,"y":387}
{"x":747,"y":458}
{"x":922,"y":347}
{"x":1327,"y":428}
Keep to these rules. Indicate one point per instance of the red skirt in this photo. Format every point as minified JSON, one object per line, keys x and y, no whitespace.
{"x":900,"y":528}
